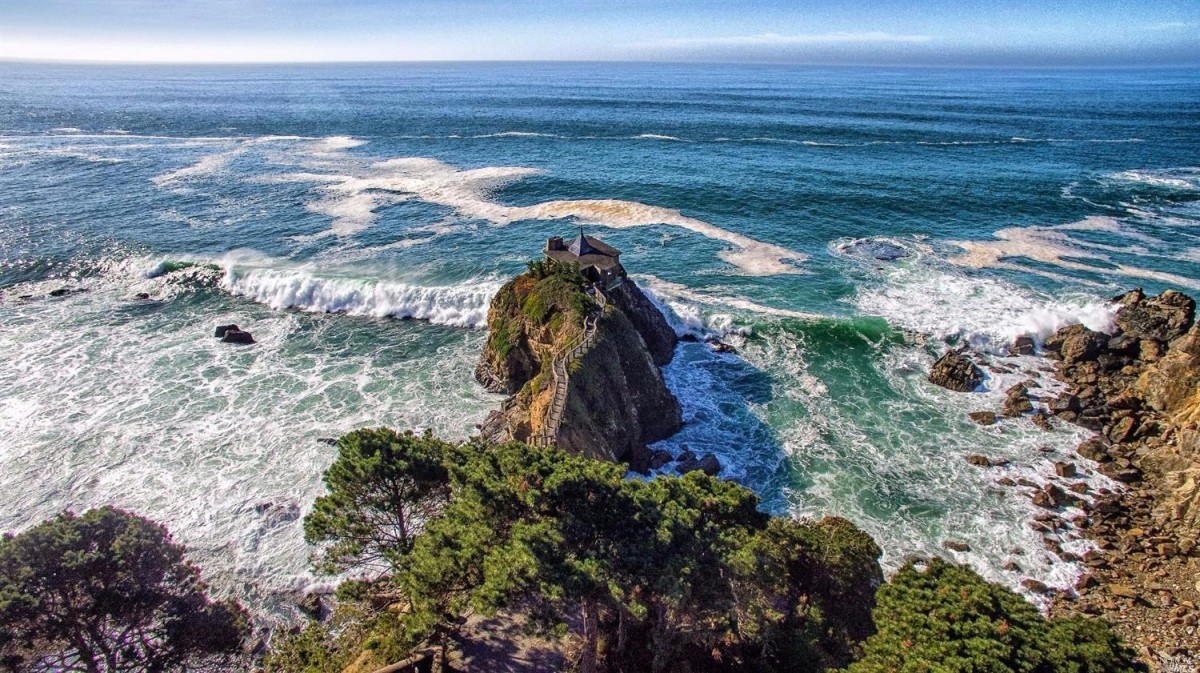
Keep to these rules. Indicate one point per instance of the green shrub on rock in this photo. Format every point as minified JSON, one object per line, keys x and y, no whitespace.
{"x":938,"y":617}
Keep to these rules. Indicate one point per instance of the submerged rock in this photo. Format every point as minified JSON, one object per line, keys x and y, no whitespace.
{"x":956,"y":372}
{"x":876,"y":249}
{"x":983,"y":417}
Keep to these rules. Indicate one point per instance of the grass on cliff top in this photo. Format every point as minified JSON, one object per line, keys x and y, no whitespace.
{"x":549,"y":299}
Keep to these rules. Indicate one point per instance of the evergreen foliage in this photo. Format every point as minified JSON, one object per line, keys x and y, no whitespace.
{"x":654,"y":573}
{"x":109,"y":591}
{"x":383,"y":487}
{"x":944,"y":618}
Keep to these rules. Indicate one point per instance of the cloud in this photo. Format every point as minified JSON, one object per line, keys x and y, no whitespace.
{"x":782,"y":40}
{"x":1172,"y":25}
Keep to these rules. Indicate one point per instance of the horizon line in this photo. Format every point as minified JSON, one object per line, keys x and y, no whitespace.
{"x":617,"y":61}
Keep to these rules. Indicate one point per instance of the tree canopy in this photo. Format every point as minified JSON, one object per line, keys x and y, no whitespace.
{"x":108,"y":591}
{"x":938,"y":617}
{"x":675,"y":573}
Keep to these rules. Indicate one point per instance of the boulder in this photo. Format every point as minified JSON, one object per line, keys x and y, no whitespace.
{"x":1017,"y":401}
{"x":979,"y":460}
{"x":956,"y":372}
{"x":1042,"y":420}
{"x":60,"y":292}
{"x":1064,"y":470}
{"x":1023,"y":345}
{"x":142,"y":295}
{"x":222,"y":329}
{"x":1075,"y":343}
{"x":983,"y":417}
{"x":686,"y":455}
{"x":1035,"y":586}
{"x":237,"y":336}
{"x":659,"y":458}
{"x":1162,"y":318}
{"x":708,"y":464}
{"x":956,"y":545}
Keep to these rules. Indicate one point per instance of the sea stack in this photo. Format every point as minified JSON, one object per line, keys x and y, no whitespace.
{"x":577,"y":346}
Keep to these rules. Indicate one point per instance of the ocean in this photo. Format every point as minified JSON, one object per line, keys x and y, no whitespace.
{"x":840,"y":226}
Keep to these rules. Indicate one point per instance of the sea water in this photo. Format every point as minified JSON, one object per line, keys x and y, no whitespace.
{"x":840,"y":226}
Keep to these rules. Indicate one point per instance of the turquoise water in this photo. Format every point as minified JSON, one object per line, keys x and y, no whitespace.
{"x":840,"y":226}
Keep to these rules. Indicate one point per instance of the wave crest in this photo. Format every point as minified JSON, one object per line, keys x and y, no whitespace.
{"x":461,"y":305}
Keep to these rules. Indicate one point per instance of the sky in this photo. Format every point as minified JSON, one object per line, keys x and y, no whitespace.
{"x":862,"y":32}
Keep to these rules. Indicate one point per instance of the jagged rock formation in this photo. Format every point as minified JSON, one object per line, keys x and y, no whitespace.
{"x":581,"y":367}
{"x":956,"y":372}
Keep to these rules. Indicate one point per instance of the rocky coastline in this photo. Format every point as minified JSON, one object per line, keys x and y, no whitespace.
{"x":1136,"y":389}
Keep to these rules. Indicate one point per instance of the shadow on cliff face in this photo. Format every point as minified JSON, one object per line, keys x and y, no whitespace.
{"x":719,"y":392}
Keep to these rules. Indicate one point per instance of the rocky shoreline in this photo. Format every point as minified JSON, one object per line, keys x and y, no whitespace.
{"x":1136,"y":388}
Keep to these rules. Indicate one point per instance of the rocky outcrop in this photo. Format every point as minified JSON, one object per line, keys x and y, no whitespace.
{"x":1139,"y":389}
{"x":615,"y":400}
{"x":956,"y":372}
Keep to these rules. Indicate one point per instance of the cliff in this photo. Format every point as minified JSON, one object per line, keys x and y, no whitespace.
{"x":581,"y":368}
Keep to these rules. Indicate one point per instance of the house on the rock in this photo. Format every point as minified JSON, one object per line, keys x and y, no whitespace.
{"x":598,"y":261}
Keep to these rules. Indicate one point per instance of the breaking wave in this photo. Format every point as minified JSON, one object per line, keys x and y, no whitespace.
{"x":460,"y":305}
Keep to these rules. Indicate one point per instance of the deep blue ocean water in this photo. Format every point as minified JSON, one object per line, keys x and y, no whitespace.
{"x":840,"y":226}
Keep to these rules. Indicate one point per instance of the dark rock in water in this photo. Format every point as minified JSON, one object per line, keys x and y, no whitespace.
{"x":956,"y":372}
{"x":956,"y":545}
{"x":719,"y":346}
{"x":142,"y":295}
{"x":689,"y":337}
{"x":1065,"y":470}
{"x":1162,"y":318}
{"x":983,"y":417}
{"x":237,"y":336}
{"x":60,"y":292}
{"x":1011,"y":566}
{"x":1076,"y":343}
{"x":686,"y":455}
{"x":659,"y":458}
{"x":1023,"y":345}
{"x":1017,"y":401}
{"x":979,"y":460}
{"x":708,"y":464}
{"x":1042,"y":420}
{"x":883,"y":251}
{"x":222,"y":329}
{"x":25,"y":297}
{"x":332,"y":441}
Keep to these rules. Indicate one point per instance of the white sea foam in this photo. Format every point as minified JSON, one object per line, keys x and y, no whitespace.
{"x":657,"y":136}
{"x":986,"y":312}
{"x":1055,"y":246}
{"x":461,"y":305}
{"x":514,"y":134}
{"x":467,"y":191}
{"x":1186,"y":179}
{"x":66,"y":129}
